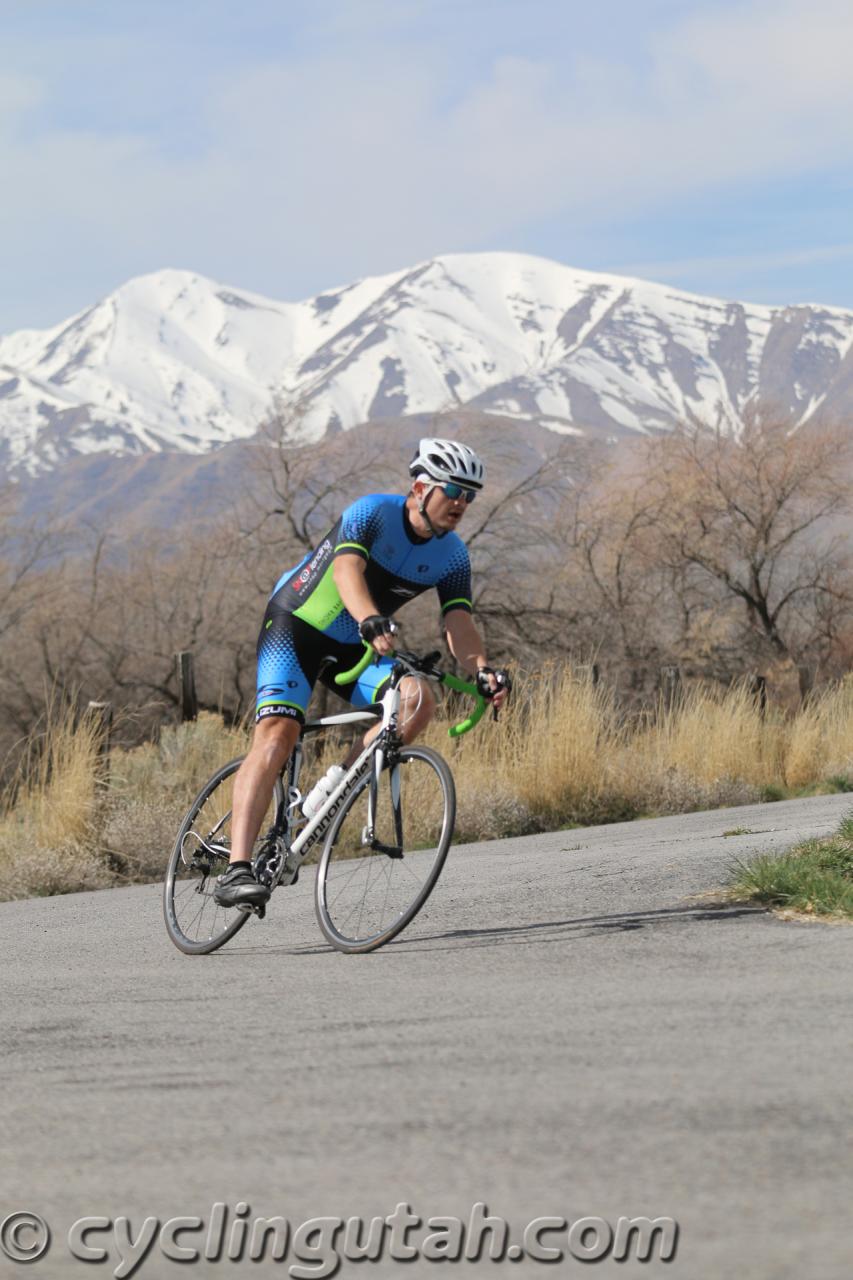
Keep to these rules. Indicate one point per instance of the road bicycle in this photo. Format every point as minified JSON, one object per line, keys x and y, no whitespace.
{"x":386,"y":827}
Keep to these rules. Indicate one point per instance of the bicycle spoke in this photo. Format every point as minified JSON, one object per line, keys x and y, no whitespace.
{"x":194,"y":920}
{"x":364,"y":895}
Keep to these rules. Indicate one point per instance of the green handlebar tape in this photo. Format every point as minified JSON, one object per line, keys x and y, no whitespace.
{"x":350,"y":677}
{"x":464,"y":686}
{"x":449,"y":681}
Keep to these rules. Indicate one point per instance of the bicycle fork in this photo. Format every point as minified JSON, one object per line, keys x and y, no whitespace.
{"x":368,"y":835}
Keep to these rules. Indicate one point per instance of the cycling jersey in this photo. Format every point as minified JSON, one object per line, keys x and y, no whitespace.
{"x":399,"y":566}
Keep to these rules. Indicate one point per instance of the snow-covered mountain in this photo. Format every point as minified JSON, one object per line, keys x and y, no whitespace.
{"x":173,"y":361}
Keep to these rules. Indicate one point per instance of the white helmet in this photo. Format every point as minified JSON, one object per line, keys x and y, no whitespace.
{"x":445,"y":460}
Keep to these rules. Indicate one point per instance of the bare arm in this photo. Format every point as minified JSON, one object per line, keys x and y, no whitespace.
{"x":466,"y":645}
{"x":465,"y":641}
{"x":348,"y":572}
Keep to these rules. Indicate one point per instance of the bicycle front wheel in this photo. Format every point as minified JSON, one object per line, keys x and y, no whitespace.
{"x":367,"y":891}
{"x":194,"y":920}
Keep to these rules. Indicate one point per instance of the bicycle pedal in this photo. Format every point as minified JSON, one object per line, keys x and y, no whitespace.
{"x":251,"y":910}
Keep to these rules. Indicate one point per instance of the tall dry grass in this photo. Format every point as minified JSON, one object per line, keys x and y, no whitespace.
{"x":820,"y":741}
{"x":561,"y":754}
{"x":48,"y":837}
{"x":565,"y":755}
{"x":543,"y":765}
{"x":151,"y":787}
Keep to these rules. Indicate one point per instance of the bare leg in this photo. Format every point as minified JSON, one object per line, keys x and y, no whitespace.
{"x":272,"y":743}
{"x":417,"y":707}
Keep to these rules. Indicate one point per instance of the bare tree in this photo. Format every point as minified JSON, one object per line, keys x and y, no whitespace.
{"x":753,"y":520}
{"x":27,"y":547}
{"x":295,"y":490}
{"x":520,"y":541}
{"x":614,"y":571}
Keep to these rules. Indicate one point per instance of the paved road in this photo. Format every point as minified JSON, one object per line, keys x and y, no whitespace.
{"x":566,"y":1030}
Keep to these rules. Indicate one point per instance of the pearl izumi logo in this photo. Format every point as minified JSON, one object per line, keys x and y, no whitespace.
{"x":277,"y":709}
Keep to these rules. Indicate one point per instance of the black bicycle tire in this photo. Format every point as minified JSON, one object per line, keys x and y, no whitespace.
{"x":355,"y":947}
{"x":180,"y":940}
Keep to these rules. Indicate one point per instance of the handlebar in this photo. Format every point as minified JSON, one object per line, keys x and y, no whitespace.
{"x":464,"y":686}
{"x":444,"y":677}
{"x":350,"y":677}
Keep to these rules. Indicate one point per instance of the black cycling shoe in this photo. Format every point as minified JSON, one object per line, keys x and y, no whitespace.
{"x":239,"y":888}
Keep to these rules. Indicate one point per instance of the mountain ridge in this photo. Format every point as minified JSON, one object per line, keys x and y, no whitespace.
{"x":172,"y":361}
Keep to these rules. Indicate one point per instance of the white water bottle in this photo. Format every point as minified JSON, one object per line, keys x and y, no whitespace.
{"x":321,"y":791}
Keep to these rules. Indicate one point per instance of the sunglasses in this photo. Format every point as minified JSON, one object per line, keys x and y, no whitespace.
{"x":453,"y":490}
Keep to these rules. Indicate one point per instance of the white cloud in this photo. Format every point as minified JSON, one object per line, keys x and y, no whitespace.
{"x":338,"y":165}
{"x":679,"y":268}
{"x":723,"y":99}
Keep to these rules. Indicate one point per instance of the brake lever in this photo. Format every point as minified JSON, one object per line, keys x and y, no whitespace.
{"x":502,"y":684}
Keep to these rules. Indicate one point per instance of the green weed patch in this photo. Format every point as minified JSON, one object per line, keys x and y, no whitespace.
{"x":815,"y":878}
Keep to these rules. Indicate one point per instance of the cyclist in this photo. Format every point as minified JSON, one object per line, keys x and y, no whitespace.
{"x":384,"y":550}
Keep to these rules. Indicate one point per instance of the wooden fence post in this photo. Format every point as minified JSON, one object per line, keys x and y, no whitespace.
{"x":102,"y":714}
{"x":805,"y":679}
{"x":757,"y":686}
{"x":187,"y":699}
{"x":671,"y":687}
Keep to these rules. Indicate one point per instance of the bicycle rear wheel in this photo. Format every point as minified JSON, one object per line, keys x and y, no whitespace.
{"x":194,"y":921}
{"x":365,"y":896}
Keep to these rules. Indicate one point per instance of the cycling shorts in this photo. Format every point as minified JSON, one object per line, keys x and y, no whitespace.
{"x":291,"y":656}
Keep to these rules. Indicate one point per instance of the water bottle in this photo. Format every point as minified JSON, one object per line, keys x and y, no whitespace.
{"x":321,"y":791}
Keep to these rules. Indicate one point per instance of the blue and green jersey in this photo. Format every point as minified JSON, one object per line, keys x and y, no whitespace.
{"x":399,"y":566}
{"x":306,"y":625}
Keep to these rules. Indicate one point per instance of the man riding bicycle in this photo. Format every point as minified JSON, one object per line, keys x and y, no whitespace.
{"x":384,"y":550}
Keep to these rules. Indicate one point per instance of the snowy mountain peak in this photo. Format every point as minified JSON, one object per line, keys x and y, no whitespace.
{"x":174,"y":361}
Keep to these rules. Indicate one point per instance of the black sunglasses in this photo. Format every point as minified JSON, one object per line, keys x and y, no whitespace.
{"x":453,"y":490}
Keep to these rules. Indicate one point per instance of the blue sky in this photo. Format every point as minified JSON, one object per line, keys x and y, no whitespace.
{"x":288,"y":146}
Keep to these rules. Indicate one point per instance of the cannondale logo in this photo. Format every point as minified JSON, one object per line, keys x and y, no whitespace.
{"x":330,"y":816}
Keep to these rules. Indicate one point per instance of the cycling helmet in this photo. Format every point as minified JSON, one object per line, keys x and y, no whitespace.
{"x":445,"y":460}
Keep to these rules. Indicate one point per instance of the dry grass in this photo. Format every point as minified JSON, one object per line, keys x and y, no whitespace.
{"x":541,"y":767}
{"x":63,"y":830}
{"x":714,"y":735}
{"x":151,"y":787}
{"x":48,"y":824}
{"x":564,"y":755}
{"x":820,"y":741}
{"x":561,"y":755}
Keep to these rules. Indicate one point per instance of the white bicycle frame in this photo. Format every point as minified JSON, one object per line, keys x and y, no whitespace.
{"x":323,"y":819}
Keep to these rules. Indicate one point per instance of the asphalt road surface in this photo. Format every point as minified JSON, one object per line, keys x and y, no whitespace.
{"x":571,"y":1029}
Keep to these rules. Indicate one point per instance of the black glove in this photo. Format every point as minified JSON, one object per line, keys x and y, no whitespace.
{"x":372,"y":628}
{"x":484,"y":688}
